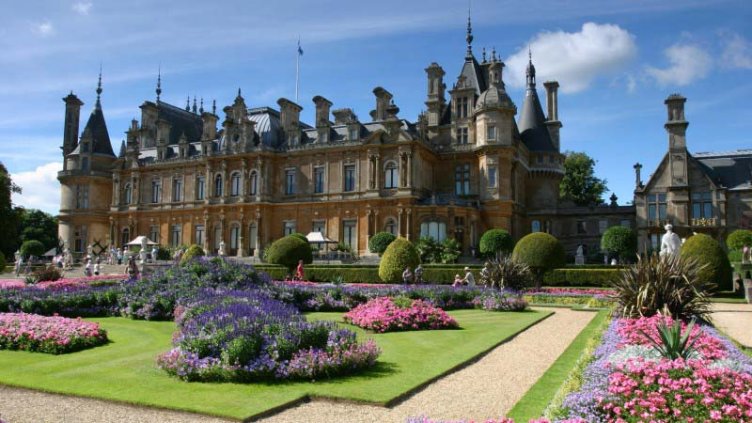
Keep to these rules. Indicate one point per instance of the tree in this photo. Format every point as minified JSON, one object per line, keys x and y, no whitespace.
{"x":738,"y":239}
{"x":495,"y":242}
{"x":579,"y":183}
{"x":378,"y":243}
{"x":540,"y":252}
{"x":621,"y":242}
{"x":8,"y":216}
{"x":400,"y":254}
{"x":38,"y":225}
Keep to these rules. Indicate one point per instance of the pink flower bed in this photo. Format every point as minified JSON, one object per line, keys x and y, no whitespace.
{"x":53,"y":335}
{"x":631,"y":330}
{"x":60,"y":284}
{"x":384,"y":314}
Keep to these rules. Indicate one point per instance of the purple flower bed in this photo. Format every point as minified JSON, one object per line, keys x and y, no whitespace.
{"x":246,"y":336}
{"x":53,"y":335}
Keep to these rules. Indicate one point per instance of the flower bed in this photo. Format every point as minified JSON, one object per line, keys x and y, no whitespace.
{"x":245,"y":336}
{"x":423,"y":419}
{"x":592,"y":298}
{"x":65,"y":283}
{"x":76,"y":302}
{"x":628,"y":381}
{"x":500,"y":301}
{"x":386,"y":314}
{"x":53,"y":335}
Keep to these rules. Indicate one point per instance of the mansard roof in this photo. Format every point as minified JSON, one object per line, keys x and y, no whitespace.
{"x":181,"y":122}
{"x":732,"y":170}
{"x":96,"y":128}
{"x":473,"y":75}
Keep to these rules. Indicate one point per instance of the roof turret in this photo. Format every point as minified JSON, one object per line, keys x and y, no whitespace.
{"x":96,"y":128}
{"x":532,"y":123}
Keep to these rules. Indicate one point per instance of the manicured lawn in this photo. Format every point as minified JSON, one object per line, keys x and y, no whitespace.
{"x":125,"y":369}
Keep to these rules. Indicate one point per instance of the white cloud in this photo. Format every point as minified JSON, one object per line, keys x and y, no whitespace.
{"x":43,"y":29}
{"x":631,"y":84}
{"x":41,"y":190}
{"x":574,"y":58}
{"x":737,"y":52}
{"x":688,"y":63}
{"x":82,"y":7}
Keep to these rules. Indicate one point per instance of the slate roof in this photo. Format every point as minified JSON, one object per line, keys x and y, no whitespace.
{"x":732,"y":169}
{"x":96,"y":127}
{"x":473,"y":73}
{"x":532,"y":123}
{"x":181,"y":121}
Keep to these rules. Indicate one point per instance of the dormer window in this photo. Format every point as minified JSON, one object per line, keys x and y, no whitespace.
{"x":354,"y":134}
{"x":491,"y":133}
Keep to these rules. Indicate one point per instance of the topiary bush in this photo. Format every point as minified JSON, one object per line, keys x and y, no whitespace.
{"x":378,"y":243}
{"x":192,"y":252}
{"x":620,"y":242}
{"x":707,"y":252}
{"x":540,"y":252}
{"x":399,"y":254}
{"x":736,"y":240}
{"x":32,"y":247}
{"x":496,"y":242}
{"x":288,"y":251}
{"x":299,"y":236}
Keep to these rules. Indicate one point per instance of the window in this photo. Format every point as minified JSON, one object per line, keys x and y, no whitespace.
{"x":581,"y":227}
{"x":200,"y":188}
{"x":154,"y":233}
{"x":349,"y":178}
{"x":491,"y":133}
{"x":492,"y":176}
{"x":391,"y":175}
{"x":156,"y":191}
{"x":252,"y":235}
{"x":390,"y":226}
{"x":235,"y":237}
{"x":254,"y":183}
{"x":318,"y":180}
{"x":535,"y":226}
{"x":125,"y":238}
{"x":127,"y":194}
{"x":462,"y":137}
{"x":82,"y":196}
{"x":290,"y":181}
{"x":702,"y":205}
{"x":235,"y":184}
{"x":199,"y":237}
{"x":654,"y":241}
{"x":218,"y":186}
{"x":84,"y":163}
{"x":217,"y":237}
{"x":177,"y":189}
{"x":319,"y":226}
{"x":177,"y":232}
{"x":289,"y":227}
{"x":433,"y":229}
{"x":602,"y":226}
{"x":350,"y":234}
{"x":462,"y":179}
{"x":657,"y":206}
{"x":354,"y":134}
{"x":462,"y":107}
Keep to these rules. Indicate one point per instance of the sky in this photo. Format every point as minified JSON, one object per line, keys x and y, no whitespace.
{"x":616,"y":61}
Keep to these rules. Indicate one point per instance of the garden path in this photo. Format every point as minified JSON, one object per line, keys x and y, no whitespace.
{"x":486,"y":389}
{"x":735,"y":320}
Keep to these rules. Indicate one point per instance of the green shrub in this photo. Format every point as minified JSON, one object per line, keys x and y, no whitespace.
{"x":47,"y":273}
{"x":506,"y":273}
{"x":32,"y":247}
{"x":541,"y":252}
{"x":288,"y":251}
{"x":715,"y":266}
{"x":299,"y":236}
{"x":192,"y":252}
{"x":736,"y":240}
{"x":495,"y":242}
{"x":400,"y":254}
{"x":621,"y":242}
{"x":2,"y":262}
{"x":451,"y":250}
{"x":582,"y":277}
{"x":164,"y":254}
{"x":378,"y":243}
{"x":428,"y":249}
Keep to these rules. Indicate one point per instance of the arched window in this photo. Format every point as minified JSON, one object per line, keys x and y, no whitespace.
{"x":535,"y":226}
{"x":218,"y":186}
{"x":127,"y":194}
{"x":433,"y":229}
{"x":390,"y":226}
{"x":254,"y":183}
{"x":235,"y":184}
{"x":391,"y":175}
{"x":234,"y":237}
{"x":125,"y":238}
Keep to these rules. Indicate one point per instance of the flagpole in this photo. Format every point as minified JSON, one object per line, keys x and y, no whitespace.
{"x":297,"y":70}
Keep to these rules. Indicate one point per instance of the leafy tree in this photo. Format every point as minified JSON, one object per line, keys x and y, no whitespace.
{"x":38,"y":225}
{"x":428,"y":249}
{"x":451,"y":250}
{"x":378,"y":243}
{"x":738,"y":239}
{"x":621,"y":242}
{"x":32,"y":247}
{"x":495,"y":242}
{"x":579,"y":183}
{"x":8,"y":216}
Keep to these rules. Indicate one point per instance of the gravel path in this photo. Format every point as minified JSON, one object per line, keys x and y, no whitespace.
{"x":735,"y":320}
{"x":486,"y":389}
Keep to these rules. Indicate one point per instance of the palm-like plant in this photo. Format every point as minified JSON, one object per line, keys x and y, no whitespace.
{"x":506,"y":273}
{"x":673,"y":344}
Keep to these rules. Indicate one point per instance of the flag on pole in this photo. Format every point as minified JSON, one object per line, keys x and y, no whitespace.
{"x":300,"y":50}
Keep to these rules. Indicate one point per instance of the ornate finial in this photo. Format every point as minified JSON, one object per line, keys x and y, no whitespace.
{"x":99,"y":83}
{"x":529,"y":54}
{"x":214,"y":107}
{"x":484,"y":55}
{"x":194,"y":104}
{"x":188,"y":104}
{"x":239,"y":92}
{"x":201,"y":108}
{"x":159,"y":82}
{"x":469,"y":36}
{"x":493,"y":54}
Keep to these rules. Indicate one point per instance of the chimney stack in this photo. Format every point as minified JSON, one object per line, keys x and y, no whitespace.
{"x":638,"y":180}
{"x":322,"y":110}
{"x":383,"y":100}
{"x":552,"y":102}
{"x":289,"y":116}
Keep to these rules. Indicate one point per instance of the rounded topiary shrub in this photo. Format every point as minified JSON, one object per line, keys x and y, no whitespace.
{"x":299,"y":236}
{"x":399,"y":254}
{"x":621,"y":242}
{"x":738,"y":239}
{"x":707,"y":252}
{"x":288,"y":251}
{"x":378,"y":243}
{"x":32,"y":248}
{"x":495,"y":242}
{"x":192,"y":252}
{"x":540,"y":252}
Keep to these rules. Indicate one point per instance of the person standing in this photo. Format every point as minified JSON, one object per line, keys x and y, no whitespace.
{"x":469,"y":279}
{"x":299,"y":272}
{"x":407,"y":276}
{"x":419,"y":274}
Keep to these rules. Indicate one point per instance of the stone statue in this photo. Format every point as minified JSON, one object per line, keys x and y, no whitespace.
{"x":579,"y":258}
{"x":221,"y":251}
{"x":142,"y":253}
{"x":90,"y":251}
{"x":670,"y":242}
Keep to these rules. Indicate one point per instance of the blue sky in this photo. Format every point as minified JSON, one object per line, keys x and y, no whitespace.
{"x":616,"y":62}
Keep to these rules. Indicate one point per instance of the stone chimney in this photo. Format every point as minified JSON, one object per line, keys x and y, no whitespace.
{"x":344,"y":116}
{"x":552,"y":103}
{"x":72,"y":119}
{"x":289,"y":116}
{"x":322,"y":111}
{"x":638,"y":179}
{"x":676,"y":125}
{"x":383,"y":100}
{"x":435,"y":101}
{"x":209,"y":131}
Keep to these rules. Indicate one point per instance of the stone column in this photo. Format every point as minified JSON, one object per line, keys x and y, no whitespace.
{"x":241,"y":247}
{"x":377,"y":175}
{"x":225,"y":182}
{"x":409,"y":170}
{"x":116,"y":191}
{"x":205,"y":242}
{"x":399,"y":222}
{"x":371,"y":172}
{"x":208,"y":184}
{"x":407,"y":229}
{"x":243,"y":191}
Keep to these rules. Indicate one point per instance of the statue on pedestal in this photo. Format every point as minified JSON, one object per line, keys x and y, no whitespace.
{"x":142,"y":253}
{"x":579,"y":258}
{"x":221,"y":251}
{"x":90,"y":251}
{"x":670,"y":242}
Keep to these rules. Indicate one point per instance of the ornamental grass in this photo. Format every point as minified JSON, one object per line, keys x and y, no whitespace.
{"x":52,"y":335}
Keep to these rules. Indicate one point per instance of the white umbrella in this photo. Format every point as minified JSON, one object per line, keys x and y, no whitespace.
{"x":318,"y":238}
{"x":139,"y":239}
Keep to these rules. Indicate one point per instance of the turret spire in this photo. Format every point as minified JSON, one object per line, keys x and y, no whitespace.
{"x":99,"y":86}
{"x":214,"y":107}
{"x":530,"y":70}
{"x":188,"y":104}
{"x":201,"y":108}
{"x":194,"y":105}
{"x":469,"y":36}
{"x":159,"y":82}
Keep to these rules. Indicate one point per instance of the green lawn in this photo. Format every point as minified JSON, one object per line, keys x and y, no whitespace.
{"x":124,"y":370}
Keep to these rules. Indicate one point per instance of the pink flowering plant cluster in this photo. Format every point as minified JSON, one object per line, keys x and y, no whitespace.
{"x":628,"y":380}
{"x":62,"y":284}
{"x":423,"y":419}
{"x":387,"y":314}
{"x":53,"y":335}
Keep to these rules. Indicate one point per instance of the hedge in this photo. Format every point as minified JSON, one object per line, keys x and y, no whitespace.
{"x":581,"y":277}
{"x":366,"y":274}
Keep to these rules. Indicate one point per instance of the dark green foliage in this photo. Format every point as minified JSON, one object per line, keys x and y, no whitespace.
{"x":621,"y":242}
{"x":736,"y":240}
{"x":288,"y":251}
{"x":539,"y":251}
{"x":428,"y":249}
{"x":192,"y":252}
{"x":378,"y":243}
{"x":506,"y":273}
{"x":451,"y":250}
{"x":38,"y":225}
{"x":399,"y":254}
{"x":163,"y":253}
{"x":48,"y":273}
{"x":708,"y":253}
{"x":432,"y":273}
{"x":299,"y":236}
{"x":672,"y":344}
{"x":8,"y":215}
{"x":579,"y":183}
{"x":32,"y":247}
{"x":669,"y":285}
{"x":496,"y":242}
{"x":2,"y":262}
{"x":582,"y":277}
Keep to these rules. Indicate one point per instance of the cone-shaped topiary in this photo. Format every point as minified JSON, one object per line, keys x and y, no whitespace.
{"x":707,"y":252}
{"x":378,"y":243}
{"x":495,"y":242}
{"x":540,"y":252}
{"x":620,"y":241}
{"x":192,"y":252}
{"x":288,"y":251}
{"x":400,"y":254}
